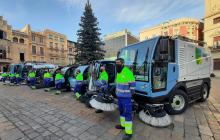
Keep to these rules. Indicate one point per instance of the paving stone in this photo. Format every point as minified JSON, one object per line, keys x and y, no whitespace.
{"x":87,"y":136}
{"x":12,"y":134}
{"x":190,"y":137}
{"x":66,"y":126}
{"x":191,"y":130}
{"x":205,"y":137}
{"x":204,"y":130}
{"x":33,"y":135}
{"x":53,"y":129}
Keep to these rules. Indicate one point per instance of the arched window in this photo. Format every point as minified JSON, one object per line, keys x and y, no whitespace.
{"x":3,"y":35}
{"x":21,"y":40}
{"x":15,"y":39}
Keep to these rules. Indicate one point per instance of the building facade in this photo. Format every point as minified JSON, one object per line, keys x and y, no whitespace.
{"x":5,"y":44}
{"x":115,"y":41}
{"x":19,"y":46}
{"x":56,"y":45}
{"x":212,"y":29}
{"x":71,"y":52}
{"x":27,"y":45}
{"x":188,"y":27}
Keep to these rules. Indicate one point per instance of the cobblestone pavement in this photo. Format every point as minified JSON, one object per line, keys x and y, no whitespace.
{"x":34,"y":114}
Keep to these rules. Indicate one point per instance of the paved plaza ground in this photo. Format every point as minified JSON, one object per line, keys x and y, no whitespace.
{"x":34,"y":114}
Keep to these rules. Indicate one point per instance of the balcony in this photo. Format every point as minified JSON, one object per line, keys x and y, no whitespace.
{"x":5,"y":45}
{"x":215,"y":49}
{"x":6,"y":60}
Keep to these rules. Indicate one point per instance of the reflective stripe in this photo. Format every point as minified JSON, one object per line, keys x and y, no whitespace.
{"x":132,"y":88}
{"x":122,"y":121}
{"x":77,"y":95}
{"x":121,"y":90}
{"x":128,"y":127}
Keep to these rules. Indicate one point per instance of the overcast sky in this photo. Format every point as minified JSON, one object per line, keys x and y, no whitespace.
{"x":113,"y":15}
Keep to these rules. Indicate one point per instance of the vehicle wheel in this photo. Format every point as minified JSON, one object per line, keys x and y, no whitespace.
{"x":177,"y":103}
{"x":204,"y":93}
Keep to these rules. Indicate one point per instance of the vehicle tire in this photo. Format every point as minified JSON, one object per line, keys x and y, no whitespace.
{"x":204,"y":93}
{"x":178,"y":103}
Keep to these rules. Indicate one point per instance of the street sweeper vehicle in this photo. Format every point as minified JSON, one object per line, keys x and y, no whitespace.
{"x":169,"y":71}
{"x":101,"y":93}
{"x":67,"y":72}
{"x":84,"y":69}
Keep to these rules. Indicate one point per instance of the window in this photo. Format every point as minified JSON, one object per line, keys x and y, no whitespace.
{"x":51,"y":44}
{"x":34,"y":58}
{"x":33,"y":38}
{"x":56,"y":38}
{"x":56,"y":45}
{"x":216,"y":20}
{"x":61,"y":39}
{"x":2,"y":54}
{"x":41,"y":40}
{"x":50,"y":36}
{"x":15,"y":39}
{"x":21,"y":40}
{"x":70,"y":49}
{"x":34,"y":50}
{"x":41,"y":51}
{"x":42,"y":59}
{"x":52,"y":60}
{"x":3,"y":35}
{"x":22,"y":57}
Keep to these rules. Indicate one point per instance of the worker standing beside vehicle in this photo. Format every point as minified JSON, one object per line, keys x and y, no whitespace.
{"x":18,"y":78}
{"x":47,"y":80}
{"x":78,"y":85}
{"x":4,"y":77}
{"x":32,"y":78}
{"x":12,"y":78}
{"x":59,"y":80}
{"x":102,"y":84}
{"x":125,"y":84}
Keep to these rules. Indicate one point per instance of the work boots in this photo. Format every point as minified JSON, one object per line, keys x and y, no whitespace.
{"x":119,"y":127}
{"x":126,"y":137}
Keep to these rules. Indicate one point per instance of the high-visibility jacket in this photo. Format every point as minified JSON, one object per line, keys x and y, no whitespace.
{"x":11,"y":75}
{"x":103,"y":76}
{"x":58,"y":76}
{"x":17,"y":75}
{"x":125,"y":83}
{"x":47,"y":75}
{"x":32,"y":75}
{"x":79,"y":77}
{"x":4,"y":74}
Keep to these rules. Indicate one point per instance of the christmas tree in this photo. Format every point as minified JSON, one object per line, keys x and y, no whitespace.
{"x":88,"y":42}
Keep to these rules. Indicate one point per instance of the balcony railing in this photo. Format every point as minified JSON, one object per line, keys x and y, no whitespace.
{"x":6,"y":60}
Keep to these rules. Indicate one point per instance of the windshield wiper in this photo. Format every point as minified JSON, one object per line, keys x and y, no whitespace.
{"x":145,"y":62}
{"x":135,"y":62}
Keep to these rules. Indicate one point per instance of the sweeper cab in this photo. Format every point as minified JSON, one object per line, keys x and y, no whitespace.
{"x":171,"y":71}
{"x":67,"y":73}
{"x":84,"y":69}
{"x":101,"y":98}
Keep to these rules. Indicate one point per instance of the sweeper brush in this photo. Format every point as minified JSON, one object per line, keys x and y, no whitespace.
{"x":155,"y":115}
{"x":104,"y":103}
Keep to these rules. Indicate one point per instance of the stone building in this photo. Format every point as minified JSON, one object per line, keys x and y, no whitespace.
{"x":5,"y":44}
{"x":56,"y":44}
{"x":115,"y":41}
{"x":188,"y":27}
{"x":212,"y":29}
{"x":71,"y":52}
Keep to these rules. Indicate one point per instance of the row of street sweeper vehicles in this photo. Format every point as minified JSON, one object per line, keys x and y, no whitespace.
{"x":170,"y":73}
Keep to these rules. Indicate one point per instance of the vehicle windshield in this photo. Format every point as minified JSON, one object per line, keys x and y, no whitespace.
{"x":63,"y":70}
{"x":136,"y":57}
